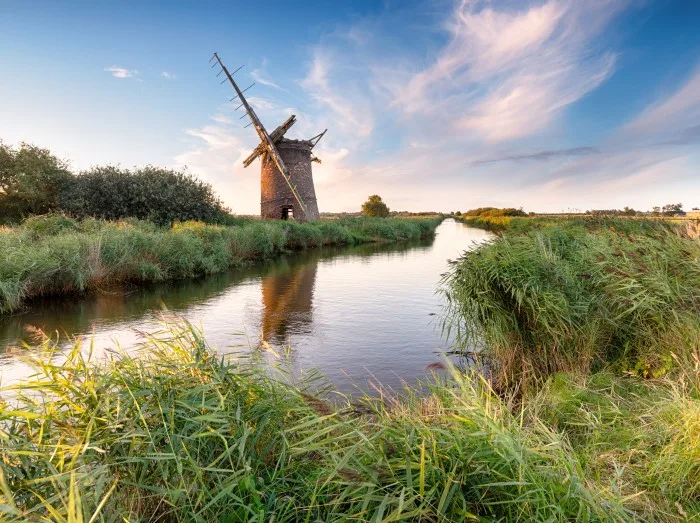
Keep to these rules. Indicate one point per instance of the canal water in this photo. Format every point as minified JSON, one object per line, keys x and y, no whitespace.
{"x":363,"y":316}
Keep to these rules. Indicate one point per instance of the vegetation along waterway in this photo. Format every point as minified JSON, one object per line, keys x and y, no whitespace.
{"x":357,"y":313}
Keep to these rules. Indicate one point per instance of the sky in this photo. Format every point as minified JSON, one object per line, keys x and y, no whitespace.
{"x":549,"y":105}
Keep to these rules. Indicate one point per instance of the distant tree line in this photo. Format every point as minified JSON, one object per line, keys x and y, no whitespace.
{"x":670,"y":209}
{"x":494,"y":212}
{"x":34,"y":181}
{"x":627,"y":211}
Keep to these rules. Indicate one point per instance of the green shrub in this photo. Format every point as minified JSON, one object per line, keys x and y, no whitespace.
{"x":159,"y":195}
{"x":34,"y":182}
{"x":375,"y":207}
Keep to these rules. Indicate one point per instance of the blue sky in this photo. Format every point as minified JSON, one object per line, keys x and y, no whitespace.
{"x":551,"y":104}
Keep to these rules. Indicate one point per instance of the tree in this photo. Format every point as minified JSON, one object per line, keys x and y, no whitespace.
{"x":374,"y":206}
{"x":31,"y":181}
{"x":672,"y":208}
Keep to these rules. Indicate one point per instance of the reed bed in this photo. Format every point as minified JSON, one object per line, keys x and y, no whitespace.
{"x":57,"y":255}
{"x":176,"y":433}
{"x":577,"y":296}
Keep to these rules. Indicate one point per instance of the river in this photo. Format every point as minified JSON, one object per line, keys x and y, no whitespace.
{"x":363,"y":316}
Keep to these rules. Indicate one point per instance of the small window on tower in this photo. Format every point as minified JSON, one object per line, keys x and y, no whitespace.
{"x":287,"y":213}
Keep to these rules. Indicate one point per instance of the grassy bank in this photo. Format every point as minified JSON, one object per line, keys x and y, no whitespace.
{"x":579,"y":295}
{"x":176,"y":434}
{"x":57,"y":255}
{"x":591,"y":326}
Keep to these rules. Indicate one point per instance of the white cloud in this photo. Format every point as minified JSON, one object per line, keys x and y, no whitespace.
{"x":168,"y":76}
{"x":677,"y":112}
{"x":505,"y":72}
{"x":351,"y":112}
{"x":261,"y":103}
{"x":508,"y":73}
{"x":120,"y":72}
{"x":259,"y":78}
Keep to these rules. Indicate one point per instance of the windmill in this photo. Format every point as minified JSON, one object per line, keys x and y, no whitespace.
{"x":286,"y":182}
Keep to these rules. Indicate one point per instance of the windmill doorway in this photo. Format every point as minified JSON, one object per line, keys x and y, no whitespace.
{"x":288,"y":213}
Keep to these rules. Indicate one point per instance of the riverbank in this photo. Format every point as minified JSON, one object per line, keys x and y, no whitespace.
{"x":177,"y":433}
{"x":553,"y":295}
{"x":56,"y":255}
{"x":592,"y":326}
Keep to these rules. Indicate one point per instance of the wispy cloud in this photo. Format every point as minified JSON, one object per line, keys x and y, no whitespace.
{"x":121,"y":72}
{"x":215,"y":152}
{"x":352,"y":113}
{"x":508,"y":73}
{"x":168,"y":76}
{"x":504,"y":74}
{"x":539,"y":155}
{"x":677,"y":113}
{"x":259,"y":77}
{"x":261,"y":103}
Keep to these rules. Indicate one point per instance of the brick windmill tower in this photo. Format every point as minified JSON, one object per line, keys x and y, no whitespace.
{"x":286,"y":181}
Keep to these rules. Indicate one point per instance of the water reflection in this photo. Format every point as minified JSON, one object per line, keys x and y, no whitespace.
{"x":287,"y":295}
{"x":352,"y":312}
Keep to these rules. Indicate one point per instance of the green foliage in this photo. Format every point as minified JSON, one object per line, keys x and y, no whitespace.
{"x":176,"y":433}
{"x":671,"y":209}
{"x":574,"y":295}
{"x":34,"y":182}
{"x":150,"y":193}
{"x":31,"y":182}
{"x":54,"y":254}
{"x":374,"y":206}
{"x":49,"y":225}
{"x":495,"y":212}
{"x":642,"y":438}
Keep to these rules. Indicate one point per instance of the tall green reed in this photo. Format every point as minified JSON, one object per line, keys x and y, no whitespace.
{"x":176,"y":433}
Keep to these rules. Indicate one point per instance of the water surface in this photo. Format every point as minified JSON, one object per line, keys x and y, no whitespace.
{"x":361,"y":314}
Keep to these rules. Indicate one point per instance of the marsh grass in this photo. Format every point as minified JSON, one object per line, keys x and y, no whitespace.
{"x":176,"y":433}
{"x":639,"y":437}
{"x":576,"y":296}
{"x":57,"y":255}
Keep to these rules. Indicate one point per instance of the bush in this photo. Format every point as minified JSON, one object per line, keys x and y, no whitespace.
{"x":34,"y":182}
{"x":162,"y":196}
{"x":49,"y":224}
{"x":495,"y":212}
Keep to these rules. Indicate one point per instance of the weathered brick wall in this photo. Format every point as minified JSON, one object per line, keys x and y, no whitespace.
{"x":275,"y":194}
